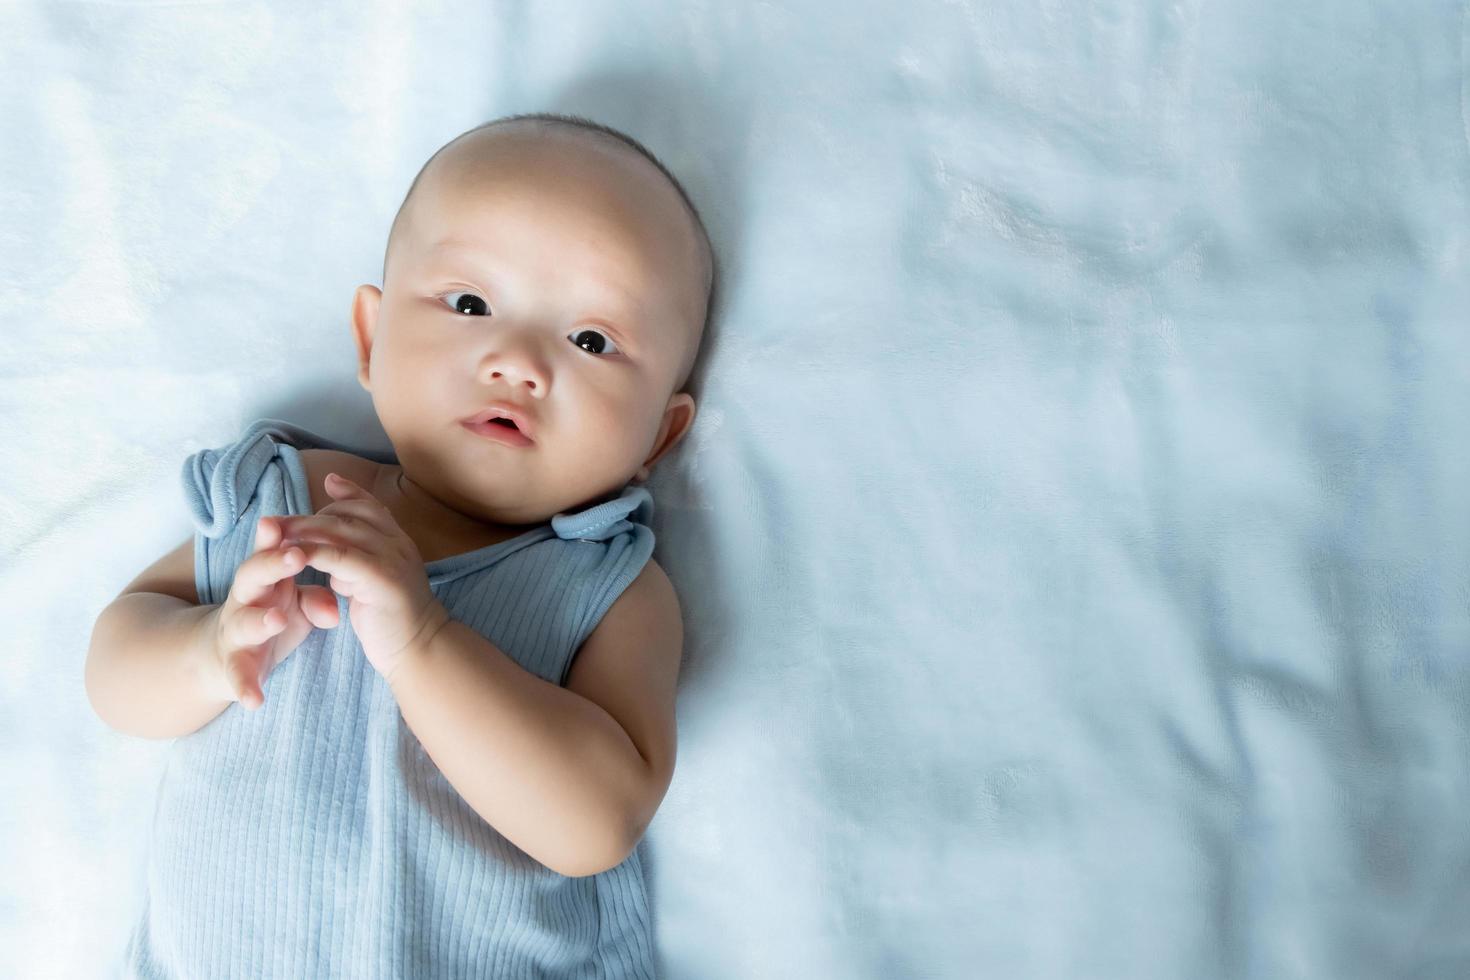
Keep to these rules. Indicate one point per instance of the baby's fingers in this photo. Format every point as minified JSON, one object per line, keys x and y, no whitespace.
{"x":251,"y":626}
{"x":257,"y":575}
{"x":242,"y":671}
{"x":318,"y":605}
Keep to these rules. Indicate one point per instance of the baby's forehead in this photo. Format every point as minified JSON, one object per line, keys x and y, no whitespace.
{"x":586,"y":227}
{"x":618,"y":256}
{"x":635,"y":201}
{"x":570,"y":158}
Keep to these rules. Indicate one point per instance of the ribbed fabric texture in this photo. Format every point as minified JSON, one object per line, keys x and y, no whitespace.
{"x":314,"y":837}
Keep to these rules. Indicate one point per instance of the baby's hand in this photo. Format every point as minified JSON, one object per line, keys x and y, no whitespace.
{"x":265,"y":617}
{"x":372,"y":561}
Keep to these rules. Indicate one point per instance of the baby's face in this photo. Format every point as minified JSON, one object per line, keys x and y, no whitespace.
{"x":554,"y":274}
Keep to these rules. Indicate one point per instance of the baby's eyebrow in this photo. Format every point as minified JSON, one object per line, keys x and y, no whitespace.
{"x":625,"y":300}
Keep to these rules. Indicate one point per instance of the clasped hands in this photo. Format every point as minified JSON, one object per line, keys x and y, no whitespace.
{"x":370,"y":560}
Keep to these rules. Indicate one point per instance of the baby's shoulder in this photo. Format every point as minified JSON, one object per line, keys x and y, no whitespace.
{"x":320,"y":462}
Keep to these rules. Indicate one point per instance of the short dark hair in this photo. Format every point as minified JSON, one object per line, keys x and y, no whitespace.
{"x":602,"y":131}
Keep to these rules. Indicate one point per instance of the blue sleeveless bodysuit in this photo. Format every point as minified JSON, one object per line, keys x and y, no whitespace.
{"x":314,"y":837}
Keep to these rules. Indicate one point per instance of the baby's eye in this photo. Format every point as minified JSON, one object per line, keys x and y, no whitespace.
{"x":597,"y":340}
{"x":466,"y":303}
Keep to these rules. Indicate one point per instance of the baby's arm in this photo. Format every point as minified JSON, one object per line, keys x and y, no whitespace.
{"x":147,"y":665}
{"x":162,"y":665}
{"x":570,"y":775}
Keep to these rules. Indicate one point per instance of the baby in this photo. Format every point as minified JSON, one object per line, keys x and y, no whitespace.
{"x":451,"y":774}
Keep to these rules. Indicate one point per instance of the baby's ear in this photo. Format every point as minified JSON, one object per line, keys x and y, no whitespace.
{"x":366,"y":301}
{"x":678,"y":417}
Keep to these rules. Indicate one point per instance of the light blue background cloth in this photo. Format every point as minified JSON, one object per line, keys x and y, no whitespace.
{"x":314,"y":837}
{"x":1073,"y":540}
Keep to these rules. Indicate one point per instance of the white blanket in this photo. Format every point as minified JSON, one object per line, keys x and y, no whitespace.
{"x":1073,"y":539}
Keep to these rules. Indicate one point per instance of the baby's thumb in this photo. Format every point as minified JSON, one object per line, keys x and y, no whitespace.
{"x":318,"y":604}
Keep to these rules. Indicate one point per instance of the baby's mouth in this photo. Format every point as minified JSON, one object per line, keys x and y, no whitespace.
{"x":505,"y":415}
{"x":500,"y":430}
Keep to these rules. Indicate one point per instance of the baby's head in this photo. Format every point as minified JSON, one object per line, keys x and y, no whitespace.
{"x":544,"y":262}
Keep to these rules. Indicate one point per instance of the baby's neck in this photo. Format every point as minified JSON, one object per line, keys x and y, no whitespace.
{"x":435,"y":529}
